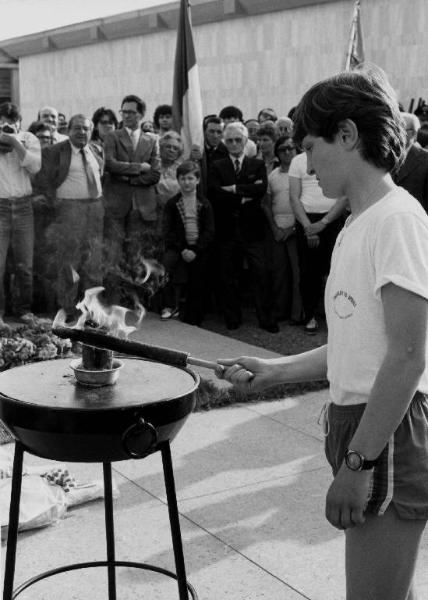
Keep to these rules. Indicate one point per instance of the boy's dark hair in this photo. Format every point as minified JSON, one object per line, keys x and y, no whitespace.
{"x":141,"y":105}
{"x":162,"y":109}
{"x":368,"y":100}
{"x":10,"y":111}
{"x":211,"y":119}
{"x":189,"y":166}
{"x":231,"y":112}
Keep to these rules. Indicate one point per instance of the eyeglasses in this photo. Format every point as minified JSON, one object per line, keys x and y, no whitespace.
{"x":46,"y":138}
{"x":105,"y":122}
{"x":128,"y":112}
{"x":234,"y":140}
{"x":170,"y":147}
{"x":286,"y":148}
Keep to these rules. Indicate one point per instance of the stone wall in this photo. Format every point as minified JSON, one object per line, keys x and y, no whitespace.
{"x":257,"y":61}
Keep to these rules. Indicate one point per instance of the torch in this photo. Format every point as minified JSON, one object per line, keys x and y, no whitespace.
{"x":92,"y":337}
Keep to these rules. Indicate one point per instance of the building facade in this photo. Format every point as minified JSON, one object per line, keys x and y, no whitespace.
{"x":251,"y":53}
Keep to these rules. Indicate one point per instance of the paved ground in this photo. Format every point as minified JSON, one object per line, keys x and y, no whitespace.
{"x":251,"y":482}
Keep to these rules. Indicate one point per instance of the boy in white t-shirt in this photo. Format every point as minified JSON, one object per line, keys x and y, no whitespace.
{"x":376,"y":356}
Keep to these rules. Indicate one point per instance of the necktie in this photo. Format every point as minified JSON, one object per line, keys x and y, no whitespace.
{"x":237,"y":166}
{"x":90,"y":175}
{"x":135,"y":137}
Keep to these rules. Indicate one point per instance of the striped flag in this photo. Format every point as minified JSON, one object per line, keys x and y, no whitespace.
{"x":186,"y":100}
{"x":355,"y":54}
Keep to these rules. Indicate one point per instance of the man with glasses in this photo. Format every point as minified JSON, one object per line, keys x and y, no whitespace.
{"x":237,"y":184}
{"x":413,"y":173}
{"x":132,"y":171}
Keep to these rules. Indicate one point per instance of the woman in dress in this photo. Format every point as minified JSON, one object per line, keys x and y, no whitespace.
{"x":375,"y":359}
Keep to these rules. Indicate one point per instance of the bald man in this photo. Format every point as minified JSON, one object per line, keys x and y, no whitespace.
{"x":413,"y":173}
{"x":49,"y":115}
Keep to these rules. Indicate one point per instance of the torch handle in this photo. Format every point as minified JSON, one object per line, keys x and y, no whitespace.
{"x":175,"y":358}
{"x":200,"y":362}
{"x":91,"y":337}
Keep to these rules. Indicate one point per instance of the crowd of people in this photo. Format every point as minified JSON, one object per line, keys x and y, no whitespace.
{"x":88,"y":202}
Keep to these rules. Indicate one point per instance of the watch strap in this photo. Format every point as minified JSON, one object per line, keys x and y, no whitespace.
{"x":365,"y":464}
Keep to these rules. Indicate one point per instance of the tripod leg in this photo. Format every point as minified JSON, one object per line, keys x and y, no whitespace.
{"x":108,"y":504}
{"x":12,"y":536}
{"x":174,"y":521}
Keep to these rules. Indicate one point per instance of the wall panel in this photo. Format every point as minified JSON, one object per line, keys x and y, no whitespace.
{"x":265,"y":60}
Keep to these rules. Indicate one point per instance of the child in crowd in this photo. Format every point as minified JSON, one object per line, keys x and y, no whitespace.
{"x":188,"y":230}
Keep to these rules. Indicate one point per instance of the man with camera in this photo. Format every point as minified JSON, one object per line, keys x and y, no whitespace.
{"x":20,"y":157}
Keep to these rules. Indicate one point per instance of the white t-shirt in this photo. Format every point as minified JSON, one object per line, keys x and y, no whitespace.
{"x":279,"y":189}
{"x":312,"y":198}
{"x":387,"y":243}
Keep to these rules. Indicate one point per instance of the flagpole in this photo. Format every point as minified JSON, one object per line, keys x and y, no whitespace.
{"x":186,"y":102}
{"x":352,"y":35}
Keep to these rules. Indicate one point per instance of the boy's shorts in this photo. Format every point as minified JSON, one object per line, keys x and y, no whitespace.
{"x":401,"y":476}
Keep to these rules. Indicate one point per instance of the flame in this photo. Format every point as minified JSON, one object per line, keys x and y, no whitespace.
{"x":112,"y":318}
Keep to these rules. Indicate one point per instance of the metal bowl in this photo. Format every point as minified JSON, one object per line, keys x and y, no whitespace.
{"x":96,"y":378}
{"x":54,"y":416}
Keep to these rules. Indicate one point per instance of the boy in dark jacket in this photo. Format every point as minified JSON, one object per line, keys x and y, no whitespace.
{"x":188,"y":230}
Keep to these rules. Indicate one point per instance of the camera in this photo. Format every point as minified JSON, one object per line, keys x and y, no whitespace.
{"x":8,"y":129}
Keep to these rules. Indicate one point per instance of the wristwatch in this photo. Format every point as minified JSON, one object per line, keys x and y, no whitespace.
{"x":357,"y":462}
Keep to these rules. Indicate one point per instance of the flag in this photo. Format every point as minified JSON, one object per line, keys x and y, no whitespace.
{"x":186,"y":99}
{"x":355,"y":54}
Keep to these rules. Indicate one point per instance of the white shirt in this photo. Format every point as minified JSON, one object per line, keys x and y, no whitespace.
{"x":279,"y":189}
{"x":387,"y":243}
{"x":75,"y":186}
{"x":15,"y":174}
{"x":312,"y":198}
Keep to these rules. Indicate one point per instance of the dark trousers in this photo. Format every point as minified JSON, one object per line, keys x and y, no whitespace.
{"x":44,"y":270}
{"x":127,"y":241}
{"x":314,"y":263}
{"x":189,"y":279}
{"x":231,"y":256}
{"x":283,"y":265}
{"x":17,"y":232}
{"x":78,"y":230}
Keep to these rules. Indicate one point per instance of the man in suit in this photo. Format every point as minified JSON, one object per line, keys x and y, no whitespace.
{"x":214,"y":148}
{"x":413,"y":173}
{"x":71,"y":177}
{"x":132,"y":166}
{"x":237,"y":184}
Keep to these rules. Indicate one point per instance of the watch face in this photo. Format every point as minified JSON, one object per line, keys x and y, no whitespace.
{"x":353,"y":461}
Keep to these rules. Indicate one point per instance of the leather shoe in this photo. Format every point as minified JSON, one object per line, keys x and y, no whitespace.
{"x":270,"y":327}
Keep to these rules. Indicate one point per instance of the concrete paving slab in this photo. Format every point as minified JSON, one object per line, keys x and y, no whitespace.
{"x":142,"y":534}
{"x":251,"y":483}
{"x":300,"y":413}
{"x":226,"y":449}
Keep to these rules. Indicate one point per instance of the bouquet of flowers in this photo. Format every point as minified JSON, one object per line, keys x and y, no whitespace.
{"x":30,"y":342}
